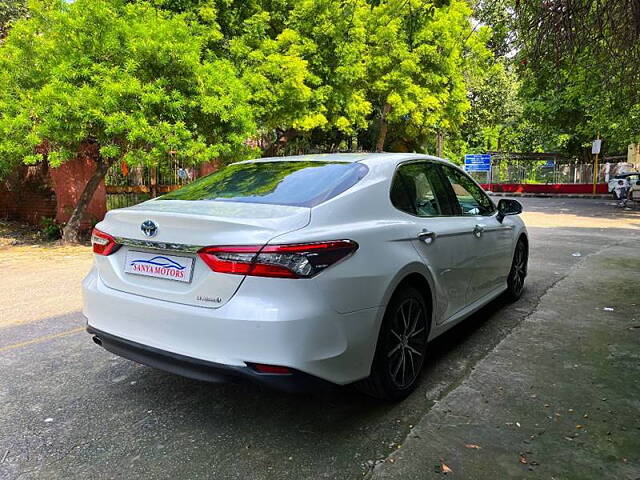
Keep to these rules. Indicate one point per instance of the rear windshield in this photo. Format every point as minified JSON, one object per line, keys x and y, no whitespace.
{"x":302,"y":184}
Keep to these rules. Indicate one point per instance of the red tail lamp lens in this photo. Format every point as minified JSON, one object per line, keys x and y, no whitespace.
{"x":280,"y":261}
{"x":272,"y":369}
{"x":103,"y":243}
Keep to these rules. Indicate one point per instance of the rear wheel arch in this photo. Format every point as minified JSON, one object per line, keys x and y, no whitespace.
{"x":414,"y":279}
{"x":421,"y":284}
{"x":414,"y":275}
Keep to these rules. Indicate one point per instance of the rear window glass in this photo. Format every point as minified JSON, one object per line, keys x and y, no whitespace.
{"x":302,"y":184}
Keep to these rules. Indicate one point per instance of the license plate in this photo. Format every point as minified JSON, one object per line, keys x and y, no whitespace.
{"x":159,"y":265}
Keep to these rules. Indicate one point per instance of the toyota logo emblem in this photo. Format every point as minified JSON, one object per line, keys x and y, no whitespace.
{"x":149,"y":228}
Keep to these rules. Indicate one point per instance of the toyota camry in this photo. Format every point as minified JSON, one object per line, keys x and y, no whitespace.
{"x":303,"y":271}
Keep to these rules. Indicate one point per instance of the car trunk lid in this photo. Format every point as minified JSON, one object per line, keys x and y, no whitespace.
{"x":182,"y":228}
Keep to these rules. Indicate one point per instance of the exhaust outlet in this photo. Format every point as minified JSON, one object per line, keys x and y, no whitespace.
{"x":97,"y":340}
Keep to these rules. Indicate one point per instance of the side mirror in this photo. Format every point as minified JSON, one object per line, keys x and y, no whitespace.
{"x":508,"y":207}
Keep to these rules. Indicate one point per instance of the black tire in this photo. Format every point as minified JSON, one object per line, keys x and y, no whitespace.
{"x":518,"y":272}
{"x":615,"y":195}
{"x":401,"y":348}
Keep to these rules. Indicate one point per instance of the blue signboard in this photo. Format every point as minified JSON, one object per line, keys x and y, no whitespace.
{"x":477,"y":162}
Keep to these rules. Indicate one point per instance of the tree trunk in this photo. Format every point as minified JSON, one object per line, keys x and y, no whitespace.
{"x":439,"y":143}
{"x":382,"y":130}
{"x":70,"y":231}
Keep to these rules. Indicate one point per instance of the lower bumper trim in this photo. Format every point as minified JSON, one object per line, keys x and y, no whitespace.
{"x":296,"y":382}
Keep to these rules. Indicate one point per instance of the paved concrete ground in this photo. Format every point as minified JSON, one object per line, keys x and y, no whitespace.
{"x":72,"y":410}
{"x":558,"y":398}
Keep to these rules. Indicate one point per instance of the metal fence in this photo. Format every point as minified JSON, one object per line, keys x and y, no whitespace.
{"x":127,"y":186}
{"x":505,"y":170}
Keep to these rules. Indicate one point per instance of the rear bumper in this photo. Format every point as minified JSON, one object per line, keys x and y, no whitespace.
{"x":296,"y":382}
{"x":283,"y":322}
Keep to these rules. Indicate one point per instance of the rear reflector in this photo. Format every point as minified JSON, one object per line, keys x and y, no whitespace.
{"x":103,"y":243}
{"x":273,"y":369}
{"x":280,"y":261}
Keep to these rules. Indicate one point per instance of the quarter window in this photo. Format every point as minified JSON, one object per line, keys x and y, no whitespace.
{"x":470,"y":198}
{"x":418,"y":189}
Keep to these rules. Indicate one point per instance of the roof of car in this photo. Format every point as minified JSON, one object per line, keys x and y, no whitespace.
{"x":348,"y":158}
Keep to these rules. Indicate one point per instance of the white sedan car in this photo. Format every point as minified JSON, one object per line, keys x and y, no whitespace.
{"x":297,"y":271}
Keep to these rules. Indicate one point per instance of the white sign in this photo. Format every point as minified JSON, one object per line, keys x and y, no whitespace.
{"x":595,"y":148}
{"x":158,"y":265}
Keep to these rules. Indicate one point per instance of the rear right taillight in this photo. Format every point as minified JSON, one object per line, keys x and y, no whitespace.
{"x":281,"y":261}
{"x":103,"y":243}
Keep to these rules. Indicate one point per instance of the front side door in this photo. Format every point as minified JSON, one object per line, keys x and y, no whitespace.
{"x":492,"y":240}
{"x":442,"y":239}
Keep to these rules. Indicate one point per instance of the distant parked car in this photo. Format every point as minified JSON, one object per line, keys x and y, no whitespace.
{"x":631,"y":177}
{"x":293,"y":270}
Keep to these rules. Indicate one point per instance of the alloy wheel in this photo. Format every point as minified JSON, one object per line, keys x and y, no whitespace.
{"x":407,"y":341}
{"x":519,"y":268}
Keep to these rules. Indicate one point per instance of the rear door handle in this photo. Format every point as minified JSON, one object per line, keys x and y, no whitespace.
{"x":427,"y":236}
{"x":478,"y":230}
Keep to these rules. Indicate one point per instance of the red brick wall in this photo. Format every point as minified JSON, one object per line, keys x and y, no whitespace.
{"x":207,"y":168}
{"x":27,"y":195}
{"x":69,"y":180}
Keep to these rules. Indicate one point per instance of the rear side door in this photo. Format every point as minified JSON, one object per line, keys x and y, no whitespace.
{"x":442,"y":239}
{"x":491,"y":240}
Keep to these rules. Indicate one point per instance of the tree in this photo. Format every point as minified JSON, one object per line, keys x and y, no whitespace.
{"x":416,"y":68}
{"x":495,"y":119}
{"x":579,"y":64}
{"x":10,"y":10}
{"x":369,"y":67}
{"x":136,"y":81}
{"x":325,"y":75}
{"x":285,"y":95}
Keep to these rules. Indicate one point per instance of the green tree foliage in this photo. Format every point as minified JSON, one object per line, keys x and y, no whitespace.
{"x":334,"y":72}
{"x":416,"y":64}
{"x":10,"y":10}
{"x":134,"y":80}
{"x":495,"y":120}
{"x":579,"y":63}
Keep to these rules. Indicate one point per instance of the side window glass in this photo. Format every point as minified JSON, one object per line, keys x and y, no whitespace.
{"x":417,"y":189}
{"x":471,"y":199}
{"x":401,"y":197}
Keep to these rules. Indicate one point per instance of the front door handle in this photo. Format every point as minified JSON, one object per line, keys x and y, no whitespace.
{"x":478,"y":230}
{"x":426,"y":236}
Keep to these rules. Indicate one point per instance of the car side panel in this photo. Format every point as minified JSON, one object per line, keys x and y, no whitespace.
{"x":386,"y":253}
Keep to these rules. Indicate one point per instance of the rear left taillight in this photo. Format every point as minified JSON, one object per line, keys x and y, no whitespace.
{"x":281,"y":261}
{"x":103,"y":243}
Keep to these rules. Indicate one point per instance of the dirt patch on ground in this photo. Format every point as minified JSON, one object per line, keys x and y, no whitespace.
{"x":40,"y":278}
{"x":14,"y":233}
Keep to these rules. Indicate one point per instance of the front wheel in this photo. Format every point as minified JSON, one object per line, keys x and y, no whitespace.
{"x":402,"y":345}
{"x":518,"y":272}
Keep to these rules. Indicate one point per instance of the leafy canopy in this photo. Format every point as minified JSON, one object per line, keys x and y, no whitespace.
{"x":134,"y":79}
